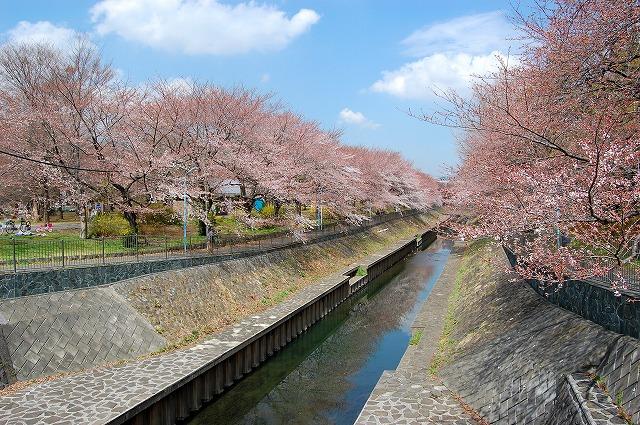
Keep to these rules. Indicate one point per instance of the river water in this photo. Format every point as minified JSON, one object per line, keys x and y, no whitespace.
{"x":326,"y":375}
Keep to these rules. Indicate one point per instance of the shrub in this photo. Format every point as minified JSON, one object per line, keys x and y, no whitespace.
{"x":269,"y":211}
{"x":109,"y":224}
{"x":160,"y":215}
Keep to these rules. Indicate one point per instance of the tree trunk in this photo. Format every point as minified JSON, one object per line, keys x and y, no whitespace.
{"x":46,"y":205}
{"x":202,"y":228}
{"x":276,"y":208}
{"x":61,"y":213}
{"x":132,"y":219}
{"x":84,"y":225}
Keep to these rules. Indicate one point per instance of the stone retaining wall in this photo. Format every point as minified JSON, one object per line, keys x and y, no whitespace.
{"x":620,"y":372}
{"x":511,"y":348}
{"x":620,"y":368}
{"x":581,"y":402}
{"x":73,"y":330}
{"x":593,"y":301}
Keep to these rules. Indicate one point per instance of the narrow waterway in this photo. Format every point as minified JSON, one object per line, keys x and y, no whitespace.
{"x":326,"y":375}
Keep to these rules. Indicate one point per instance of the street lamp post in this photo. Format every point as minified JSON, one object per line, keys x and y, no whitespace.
{"x":184,"y":205}
{"x":319,"y":221}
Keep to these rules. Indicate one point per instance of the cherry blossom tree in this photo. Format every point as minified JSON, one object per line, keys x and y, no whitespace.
{"x":549,"y":145}
{"x":73,"y":130}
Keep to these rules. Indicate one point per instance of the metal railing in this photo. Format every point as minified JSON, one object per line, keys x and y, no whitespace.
{"x":622,"y":277}
{"x":625,"y":277}
{"x":31,"y":253}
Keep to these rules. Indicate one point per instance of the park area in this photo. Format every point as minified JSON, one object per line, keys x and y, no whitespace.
{"x":58,"y":243}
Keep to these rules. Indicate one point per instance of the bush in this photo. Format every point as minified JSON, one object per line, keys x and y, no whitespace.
{"x":269,"y":211}
{"x":109,"y":224}
{"x":160,"y":215}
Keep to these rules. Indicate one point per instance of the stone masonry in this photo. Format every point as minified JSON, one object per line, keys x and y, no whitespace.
{"x":72,"y":330}
{"x":512,"y":348}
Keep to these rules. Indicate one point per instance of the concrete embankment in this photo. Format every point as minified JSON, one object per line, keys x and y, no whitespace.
{"x":168,"y":387}
{"x":517,"y":358}
{"x":72,"y":330}
{"x":507,"y":356}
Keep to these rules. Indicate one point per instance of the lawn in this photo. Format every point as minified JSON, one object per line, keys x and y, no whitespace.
{"x":157,"y":239}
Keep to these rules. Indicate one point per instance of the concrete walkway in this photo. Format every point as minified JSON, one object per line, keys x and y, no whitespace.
{"x":409,"y":395}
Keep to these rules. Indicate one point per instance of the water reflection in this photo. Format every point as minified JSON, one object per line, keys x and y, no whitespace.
{"x":326,"y":376}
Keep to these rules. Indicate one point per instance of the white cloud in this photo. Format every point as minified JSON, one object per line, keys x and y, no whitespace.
{"x":265,"y":78}
{"x":347,"y":116}
{"x":43,"y":32}
{"x":472,"y":34}
{"x":201,"y":26}
{"x":181,"y":84}
{"x":441,"y":71}
{"x":450,"y":54}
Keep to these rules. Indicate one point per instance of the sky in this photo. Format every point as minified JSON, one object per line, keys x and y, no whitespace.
{"x":354,"y":65}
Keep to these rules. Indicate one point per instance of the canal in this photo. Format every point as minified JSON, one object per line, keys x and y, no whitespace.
{"x":326,"y":375}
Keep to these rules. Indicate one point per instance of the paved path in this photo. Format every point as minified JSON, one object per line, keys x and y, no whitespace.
{"x":409,"y":395}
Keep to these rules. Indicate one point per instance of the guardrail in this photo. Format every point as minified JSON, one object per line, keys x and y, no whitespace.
{"x":628,"y":274}
{"x":18,"y":255}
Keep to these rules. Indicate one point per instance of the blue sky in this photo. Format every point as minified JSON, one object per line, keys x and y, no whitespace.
{"x":358,"y":65}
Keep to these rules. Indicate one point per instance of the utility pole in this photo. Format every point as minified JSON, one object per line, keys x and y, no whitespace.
{"x":184,"y":213}
{"x":184,"y":206}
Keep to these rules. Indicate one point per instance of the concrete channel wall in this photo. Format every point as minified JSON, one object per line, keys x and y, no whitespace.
{"x":179,"y":402}
{"x":168,"y":388}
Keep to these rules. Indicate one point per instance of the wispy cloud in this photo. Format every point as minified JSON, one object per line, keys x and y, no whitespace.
{"x":201,"y":27}
{"x":471,"y":34}
{"x":347,"y":116}
{"x":450,"y":54}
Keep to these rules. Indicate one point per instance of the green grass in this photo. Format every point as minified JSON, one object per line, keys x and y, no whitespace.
{"x":446,"y":344}
{"x":362,"y":271}
{"x":278,"y":297}
{"x":415,"y":338}
{"x":228,"y":225}
{"x":51,"y":245}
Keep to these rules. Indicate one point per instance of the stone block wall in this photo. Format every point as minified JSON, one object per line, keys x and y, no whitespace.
{"x":593,"y":301}
{"x":581,"y":402}
{"x":514,"y":350}
{"x":620,"y":371}
{"x":7,"y":373}
{"x":73,"y":330}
